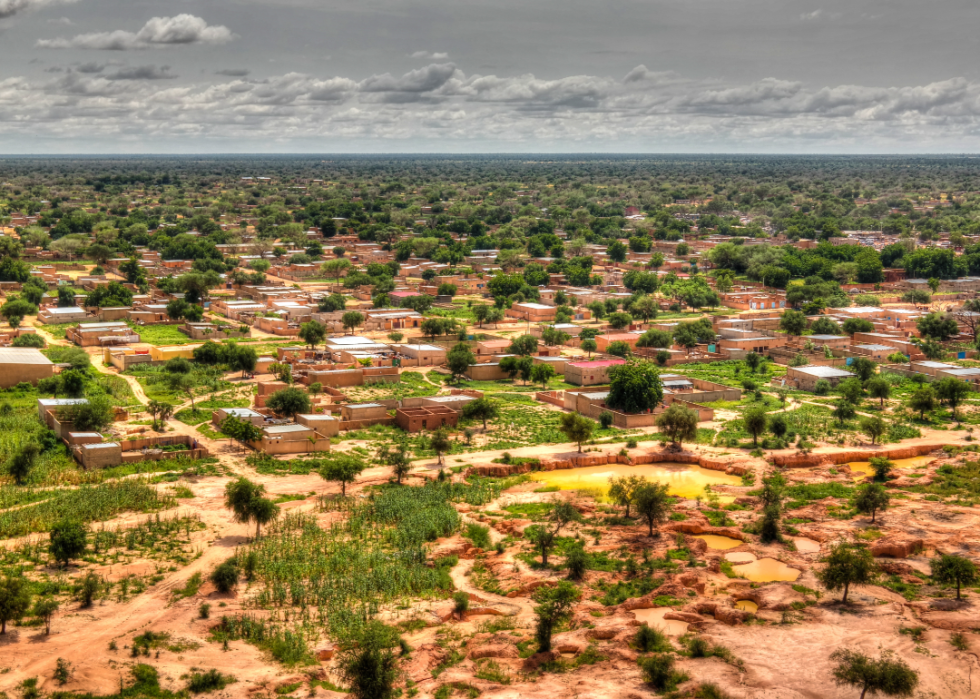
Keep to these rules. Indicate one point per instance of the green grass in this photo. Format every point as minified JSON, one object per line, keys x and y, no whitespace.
{"x":161,"y":335}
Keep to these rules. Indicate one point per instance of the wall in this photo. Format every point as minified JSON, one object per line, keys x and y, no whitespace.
{"x":13,"y":374}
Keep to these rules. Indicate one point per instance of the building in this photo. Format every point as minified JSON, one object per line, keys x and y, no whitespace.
{"x":244,"y":414}
{"x":324,"y":424}
{"x":101,"y":334}
{"x":61,"y":314}
{"x":428,"y":417}
{"x":425,"y":355}
{"x":532,"y":312}
{"x":603,"y":341}
{"x":291,"y":439}
{"x":879,"y":353}
{"x":23,"y":365}
{"x":590,"y":373}
{"x":805,"y":377}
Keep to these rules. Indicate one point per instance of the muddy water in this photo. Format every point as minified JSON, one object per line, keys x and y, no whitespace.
{"x":807,"y":545}
{"x":654,"y":618}
{"x":747,"y":605}
{"x":719,"y":543}
{"x":864,"y":467}
{"x":740,"y":557}
{"x":683,"y":480}
{"x":767,"y":570}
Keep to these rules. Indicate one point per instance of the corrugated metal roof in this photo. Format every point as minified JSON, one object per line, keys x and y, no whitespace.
{"x":22,"y":355}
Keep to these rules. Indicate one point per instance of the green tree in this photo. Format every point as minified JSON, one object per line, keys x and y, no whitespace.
{"x":949,"y":569}
{"x":623,"y":490}
{"x":851,"y":391}
{"x":752,"y":361}
{"x":653,"y":505}
{"x":44,"y":609}
{"x":619,"y":320}
{"x":459,"y":359}
{"x":23,"y":462}
{"x":351,"y":319}
{"x":634,"y":387}
{"x":939,"y":326}
{"x":289,"y":402}
{"x":440,"y":443}
{"x":882,"y":467}
{"x":848,"y":564}
{"x":368,"y":664}
{"x":619,"y":349}
{"x":655,"y":338}
{"x":313,"y":333}
{"x":68,"y":539}
{"x":792,"y":322}
{"x":544,"y":535}
{"x":482,"y":409}
{"x":858,"y":325}
{"x":244,"y":499}
{"x":576,"y":428}
{"x":678,"y":423}
{"x":542,"y":374}
{"x":554,"y":605}
{"x":396,"y":456}
{"x":524,"y":346}
{"x":755,"y":420}
{"x":517,"y":366}
{"x":447,"y":289}
{"x":825,"y":326}
{"x":589,"y":346}
{"x":864,"y":368}
{"x":872,"y":498}
{"x":882,"y":675}
{"x":843,"y":411}
{"x":879,"y":388}
{"x":952,"y":392}
{"x":874,"y":427}
{"x":342,"y":469}
{"x":923,"y":400}
{"x":15,"y":600}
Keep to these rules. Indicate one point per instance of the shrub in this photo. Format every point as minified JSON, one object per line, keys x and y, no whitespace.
{"x":605,"y":419}
{"x":28,"y":341}
{"x":577,"y":562}
{"x":225,"y":576}
{"x":210,"y":681}
{"x":461,"y":603}
{"x":658,"y":670}
{"x":479,"y":535}
{"x":821,"y":388}
{"x":649,"y":640}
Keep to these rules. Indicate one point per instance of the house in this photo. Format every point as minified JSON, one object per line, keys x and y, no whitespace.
{"x":489,"y":371}
{"x":429,"y":417}
{"x":603,"y":341}
{"x":425,"y":355}
{"x":806,"y":377}
{"x":62,"y":314}
{"x":590,"y":373}
{"x":23,"y":365}
{"x":244,"y":414}
{"x":327,"y":425}
{"x":876,"y":352}
{"x":101,"y":334}
{"x":291,"y":439}
{"x":363,"y":411}
{"x":532,"y":312}
{"x":486,"y":348}
{"x":930,"y":368}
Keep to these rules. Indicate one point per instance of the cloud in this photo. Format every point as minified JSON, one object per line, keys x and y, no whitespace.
{"x":142,"y":73}
{"x":8,"y":8}
{"x":90,"y":68}
{"x":810,"y":16}
{"x":159,"y":32}
{"x":426,"y":79}
{"x":64,"y":21}
{"x":233,"y":72}
{"x":431,"y":55}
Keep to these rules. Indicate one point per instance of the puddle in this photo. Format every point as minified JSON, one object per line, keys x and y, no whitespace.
{"x":654,"y":618}
{"x":864,"y":467}
{"x":807,"y":545}
{"x":683,"y":480}
{"x":767,"y":570}
{"x":719,"y":543}
{"x":747,"y":605}
{"x":740,"y":557}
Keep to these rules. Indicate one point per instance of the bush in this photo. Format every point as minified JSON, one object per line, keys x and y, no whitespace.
{"x":658,"y":670}
{"x":461,"y":603}
{"x":210,"y":681}
{"x":28,"y":341}
{"x":821,"y":388}
{"x":605,"y":419}
{"x":649,"y":640}
{"x":577,"y":562}
{"x":225,"y":576}
{"x":631,"y":444}
{"x":479,"y":535}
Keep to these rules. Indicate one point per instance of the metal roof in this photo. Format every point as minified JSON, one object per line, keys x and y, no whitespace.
{"x":825,"y":372}
{"x":285,"y":429}
{"x":22,"y":355}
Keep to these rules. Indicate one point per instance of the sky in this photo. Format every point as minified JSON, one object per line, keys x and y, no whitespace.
{"x":472,"y":76}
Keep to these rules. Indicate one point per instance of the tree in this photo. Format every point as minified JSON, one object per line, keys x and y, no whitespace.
{"x":434,"y":327}
{"x":439,"y":443}
{"x":92,"y":416}
{"x":552,"y":336}
{"x":44,"y":610}
{"x":160,"y":412}
{"x":480,"y":311}
{"x":524,"y":346}
{"x":313,"y":333}
{"x":825,"y":326}
{"x":634,"y":387}
{"x":23,"y":461}
{"x":893,"y":678}
{"x":919,"y":297}
{"x":952,"y":392}
{"x":544,"y":536}
{"x":755,"y":420}
{"x":848,"y":564}
{"x":18,"y":308}
{"x":397,"y":457}
{"x":342,"y":469}
{"x":939,"y":326}
{"x":68,"y":539}
{"x":851,"y":391}
{"x":950,"y":569}
{"x":678,"y":423}
{"x":542,"y":374}
{"x":645,"y":307}
{"x":244,"y":499}
{"x":225,"y":576}
{"x":15,"y":600}
{"x":882,"y":467}
{"x":459,"y":359}
{"x":554,"y":606}
{"x":653,"y":505}
{"x":619,"y":320}
{"x":874,"y":427}
{"x":753,"y":360}
{"x":289,"y":402}
{"x":30,"y":340}
{"x":351,"y":319}
{"x":871,"y":498}
{"x":589,"y":346}
{"x":368,"y":664}
{"x":518,"y":366}
{"x":619,"y":349}
{"x":623,"y":490}
{"x":843,"y":411}
{"x":576,"y":428}
{"x":616,"y":250}
{"x":934,"y":284}
{"x":858,"y":325}
{"x":864,"y":368}
{"x":447,"y":289}
{"x":181,"y":383}
{"x":792,"y":322}
{"x":923,"y":400}
{"x":655,"y":338}
{"x":879,"y":388}
{"x":482,"y":409}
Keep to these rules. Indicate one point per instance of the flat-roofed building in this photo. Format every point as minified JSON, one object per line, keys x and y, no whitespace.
{"x":23,"y":365}
{"x":327,"y":425}
{"x":806,"y":377}
{"x":603,"y":341}
{"x":532,"y":312}
{"x":876,"y":352}
{"x":931,"y":368}
{"x":291,"y":439}
{"x":590,"y":373}
{"x":426,"y":355}
{"x":832,"y":341}
{"x":244,"y":414}
{"x":62,"y":314}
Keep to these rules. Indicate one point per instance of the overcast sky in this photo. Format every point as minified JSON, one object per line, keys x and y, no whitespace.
{"x":140,"y":76}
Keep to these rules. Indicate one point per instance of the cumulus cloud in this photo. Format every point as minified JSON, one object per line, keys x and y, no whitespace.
{"x":431,"y":55}
{"x":8,"y":8}
{"x":159,"y":32}
{"x":426,"y":79}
